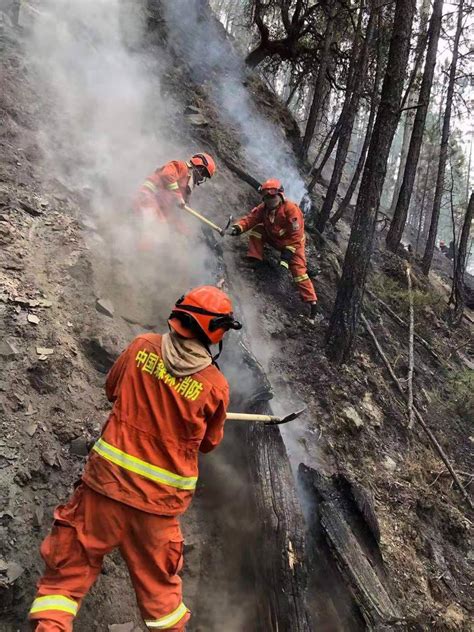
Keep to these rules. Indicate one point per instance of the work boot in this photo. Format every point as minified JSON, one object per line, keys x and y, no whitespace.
{"x":314,"y":316}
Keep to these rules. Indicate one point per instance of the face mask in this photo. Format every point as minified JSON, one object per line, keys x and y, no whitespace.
{"x":272,"y":202}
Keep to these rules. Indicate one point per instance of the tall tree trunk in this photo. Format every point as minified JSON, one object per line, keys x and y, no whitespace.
{"x":459,"y":269}
{"x":345,"y":316}
{"x":318,"y":95}
{"x":347,"y":123}
{"x":397,"y":225}
{"x":374,"y":101}
{"x":443,"y":152}
{"x":411,"y":100}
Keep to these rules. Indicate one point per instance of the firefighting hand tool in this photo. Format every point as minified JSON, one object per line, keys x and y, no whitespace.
{"x":268,"y":420}
{"x":203,"y":219}
{"x":236,"y":230}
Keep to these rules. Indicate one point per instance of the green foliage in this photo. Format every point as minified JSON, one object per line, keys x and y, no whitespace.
{"x":392,"y":292}
{"x":457,"y":395}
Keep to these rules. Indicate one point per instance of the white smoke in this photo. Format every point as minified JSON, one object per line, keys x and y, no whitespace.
{"x":197,"y":35}
{"x":107,"y":128}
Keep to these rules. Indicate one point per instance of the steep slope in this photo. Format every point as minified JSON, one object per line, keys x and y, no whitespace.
{"x":59,"y":254}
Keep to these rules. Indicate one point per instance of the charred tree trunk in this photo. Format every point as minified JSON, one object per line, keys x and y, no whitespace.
{"x":397,"y":225}
{"x":374,"y":101}
{"x":411,"y":100}
{"x":458,"y":280}
{"x":345,"y":316}
{"x":281,"y":538}
{"x":443,"y":153}
{"x":347,"y":124}
{"x":319,"y":82}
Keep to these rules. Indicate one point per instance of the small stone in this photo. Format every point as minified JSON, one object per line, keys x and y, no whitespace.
{"x":372,"y":410}
{"x":389,"y":464}
{"x":31,"y":429}
{"x":79,"y":446}
{"x":198,"y":120}
{"x":3,"y":566}
{"x":33,"y":319}
{"x":42,"y":302}
{"x":14,"y":571}
{"x":50,"y":457}
{"x":8,"y":349}
{"x":351,"y":414}
{"x":105,"y":306}
{"x":44,"y":351}
{"x":122,"y":627}
{"x":30,"y":410}
{"x":38,"y":516}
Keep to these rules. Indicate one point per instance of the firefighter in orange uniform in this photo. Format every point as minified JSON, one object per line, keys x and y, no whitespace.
{"x":169,"y":402}
{"x":169,"y":188}
{"x":280,"y":223}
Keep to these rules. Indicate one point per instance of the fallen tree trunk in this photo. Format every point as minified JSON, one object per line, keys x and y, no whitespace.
{"x":373,"y":599}
{"x":281,"y":538}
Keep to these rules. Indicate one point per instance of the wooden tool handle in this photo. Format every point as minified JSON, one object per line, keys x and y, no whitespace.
{"x":202,"y":218}
{"x":251,"y":417}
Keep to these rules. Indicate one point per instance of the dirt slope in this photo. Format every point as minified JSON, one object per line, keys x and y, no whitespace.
{"x":54,"y":267}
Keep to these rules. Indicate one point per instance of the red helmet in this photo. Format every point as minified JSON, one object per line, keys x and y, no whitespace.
{"x":206,"y":161}
{"x":272,"y":187}
{"x":205,"y":312}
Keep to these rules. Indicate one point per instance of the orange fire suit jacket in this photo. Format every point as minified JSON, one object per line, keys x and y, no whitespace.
{"x":147,"y":455}
{"x":284,"y":227}
{"x":164,"y":188}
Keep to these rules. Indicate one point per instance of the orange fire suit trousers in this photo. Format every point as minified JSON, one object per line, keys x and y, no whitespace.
{"x":84,"y":530}
{"x":258,"y":238}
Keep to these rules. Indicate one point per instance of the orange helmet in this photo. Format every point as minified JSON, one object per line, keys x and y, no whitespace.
{"x":272,"y":187}
{"x":205,"y":313}
{"x":206,"y":161}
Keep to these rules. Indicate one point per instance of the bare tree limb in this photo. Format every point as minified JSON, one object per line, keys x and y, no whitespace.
{"x":418,"y":416}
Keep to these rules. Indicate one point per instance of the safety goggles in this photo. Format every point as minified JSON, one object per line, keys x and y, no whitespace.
{"x":220,"y":321}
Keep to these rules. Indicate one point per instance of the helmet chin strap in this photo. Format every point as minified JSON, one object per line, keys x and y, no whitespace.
{"x":215,"y":357}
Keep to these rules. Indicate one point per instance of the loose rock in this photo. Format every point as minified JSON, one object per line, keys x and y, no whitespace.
{"x":79,"y":446}
{"x":8,"y":349}
{"x":351,"y":414}
{"x":33,"y":319}
{"x":105,"y":306}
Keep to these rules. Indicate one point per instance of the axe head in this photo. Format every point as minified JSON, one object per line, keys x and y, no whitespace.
{"x":224,"y":229}
{"x":284,"y":420}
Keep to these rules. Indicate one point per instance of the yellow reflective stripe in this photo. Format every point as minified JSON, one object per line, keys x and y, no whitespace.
{"x":299,"y":279}
{"x":149,"y":185}
{"x":256,"y":234}
{"x":173,"y":186}
{"x":54,"y":602}
{"x":147,"y":470}
{"x":282,"y":232}
{"x":170,"y":620}
{"x":284,"y":264}
{"x":290,"y":248}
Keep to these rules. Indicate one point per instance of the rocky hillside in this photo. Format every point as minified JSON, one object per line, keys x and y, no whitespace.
{"x":70,"y":299}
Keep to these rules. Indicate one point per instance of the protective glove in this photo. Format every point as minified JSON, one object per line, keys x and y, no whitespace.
{"x":285,"y":258}
{"x":236,"y":230}
{"x":181,"y":203}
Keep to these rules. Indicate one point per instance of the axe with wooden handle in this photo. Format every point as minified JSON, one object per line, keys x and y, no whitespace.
{"x":268,"y":420}
{"x":203,"y":219}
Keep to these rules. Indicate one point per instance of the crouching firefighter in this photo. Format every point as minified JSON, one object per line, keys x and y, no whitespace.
{"x":169,"y":402}
{"x":279,"y":223}
{"x":168,"y":189}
